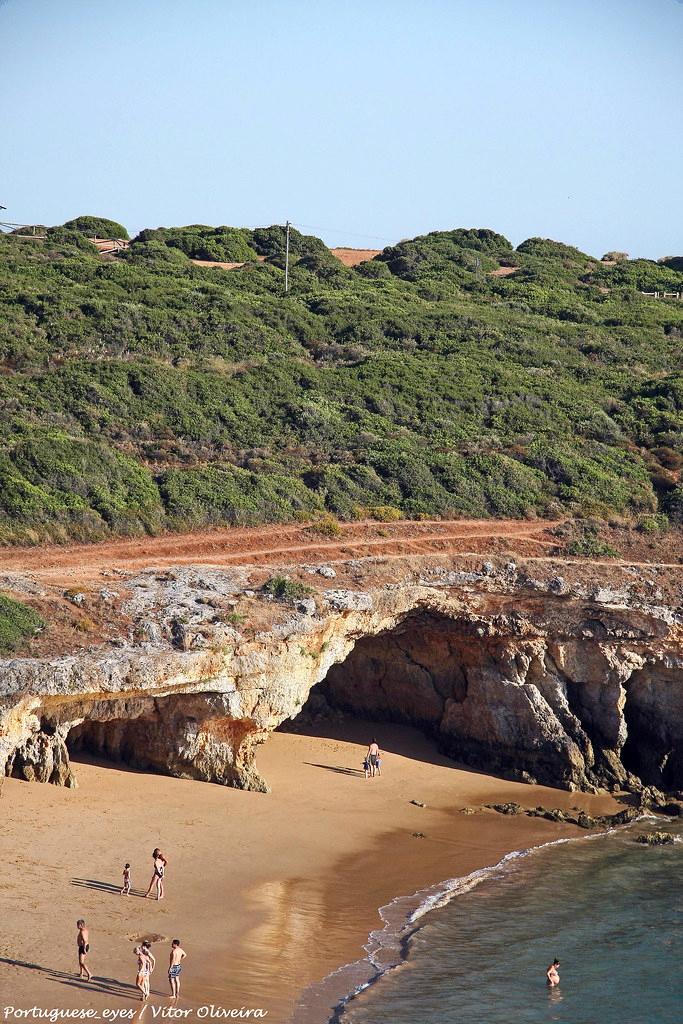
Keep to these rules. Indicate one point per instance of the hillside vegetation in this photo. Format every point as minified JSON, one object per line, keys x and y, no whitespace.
{"x":147,"y":393}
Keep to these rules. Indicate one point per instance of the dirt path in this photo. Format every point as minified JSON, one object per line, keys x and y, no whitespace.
{"x":265,"y":545}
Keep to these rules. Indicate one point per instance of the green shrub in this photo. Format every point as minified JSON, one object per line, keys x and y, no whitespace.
{"x":285,"y":589}
{"x":589,"y":544}
{"x":201,"y":242}
{"x":653,"y":524}
{"x":96,"y":227}
{"x":326,"y":526}
{"x":385,"y":513}
{"x":18,"y":623}
{"x":65,"y":240}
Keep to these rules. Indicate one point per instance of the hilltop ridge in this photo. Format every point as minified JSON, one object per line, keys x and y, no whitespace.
{"x":448,"y":375}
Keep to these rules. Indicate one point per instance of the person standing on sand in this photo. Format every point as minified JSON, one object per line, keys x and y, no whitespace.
{"x":142,"y":976}
{"x":552,"y":975}
{"x":175,"y":967}
{"x":379,"y":762}
{"x":373,"y":754}
{"x":83,"y":944}
{"x":147,"y":950}
{"x":125,"y":888}
{"x":160,"y":863}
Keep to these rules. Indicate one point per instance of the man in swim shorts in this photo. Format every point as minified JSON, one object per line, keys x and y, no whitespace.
{"x":372,"y":755}
{"x":83,"y":945}
{"x":175,"y":967}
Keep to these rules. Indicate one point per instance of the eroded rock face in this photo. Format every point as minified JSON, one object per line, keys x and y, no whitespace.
{"x":578,"y":685}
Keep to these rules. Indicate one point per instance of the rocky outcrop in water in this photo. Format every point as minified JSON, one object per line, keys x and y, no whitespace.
{"x":570,"y":681}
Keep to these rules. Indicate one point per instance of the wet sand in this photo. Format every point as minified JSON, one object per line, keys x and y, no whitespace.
{"x":268,"y":893}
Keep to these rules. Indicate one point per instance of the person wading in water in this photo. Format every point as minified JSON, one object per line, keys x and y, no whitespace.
{"x":552,"y":975}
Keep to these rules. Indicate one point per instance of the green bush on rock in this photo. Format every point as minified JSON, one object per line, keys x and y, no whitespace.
{"x":18,"y":623}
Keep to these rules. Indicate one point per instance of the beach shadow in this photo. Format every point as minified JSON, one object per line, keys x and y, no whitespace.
{"x":331,"y":768}
{"x":109,"y":986}
{"x":93,"y":883}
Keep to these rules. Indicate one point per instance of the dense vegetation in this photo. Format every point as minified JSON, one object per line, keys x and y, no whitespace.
{"x":18,"y":623}
{"x":147,"y":393}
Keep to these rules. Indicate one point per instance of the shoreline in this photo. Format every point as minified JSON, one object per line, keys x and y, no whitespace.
{"x":270,"y":894}
{"x":388,"y":946}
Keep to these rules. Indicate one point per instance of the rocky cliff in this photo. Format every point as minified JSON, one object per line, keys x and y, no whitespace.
{"x":563,"y":673}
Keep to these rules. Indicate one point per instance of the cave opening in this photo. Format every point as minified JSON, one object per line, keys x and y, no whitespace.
{"x":654,"y":747}
{"x":485,"y":690}
{"x":188,"y":735}
{"x":414,"y":675}
{"x":447,"y":677}
{"x":116,"y":740}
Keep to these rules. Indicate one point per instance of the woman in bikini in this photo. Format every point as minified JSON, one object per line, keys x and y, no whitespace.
{"x":552,"y":973}
{"x":142,"y":977}
{"x":160,"y":863}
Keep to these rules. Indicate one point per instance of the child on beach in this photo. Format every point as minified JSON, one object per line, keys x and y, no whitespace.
{"x":366,"y":767}
{"x":175,"y":967}
{"x":125,"y":888}
{"x":378,"y":763}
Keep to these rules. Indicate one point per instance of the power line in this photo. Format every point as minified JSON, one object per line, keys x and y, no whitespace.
{"x":345,"y":231}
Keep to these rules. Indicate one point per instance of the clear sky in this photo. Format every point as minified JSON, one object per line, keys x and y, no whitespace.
{"x":367,"y":120}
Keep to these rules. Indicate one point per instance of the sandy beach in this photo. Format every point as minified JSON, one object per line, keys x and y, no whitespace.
{"x":267,"y":892}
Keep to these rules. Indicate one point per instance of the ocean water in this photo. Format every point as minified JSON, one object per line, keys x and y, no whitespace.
{"x":475,"y":950}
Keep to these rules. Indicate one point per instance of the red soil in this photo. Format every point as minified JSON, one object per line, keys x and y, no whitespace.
{"x":352,"y":257}
{"x":268,"y":545}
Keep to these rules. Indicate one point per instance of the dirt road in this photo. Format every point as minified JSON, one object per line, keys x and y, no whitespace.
{"x":266,"y":545}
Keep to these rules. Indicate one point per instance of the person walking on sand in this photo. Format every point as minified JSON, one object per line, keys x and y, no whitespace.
{"x":160,"y":863}
{"x":379,"y":762}
{"x":552,"y":975}
{"x":125,"y":888}
{"x":373,"y":754}
{"x":83,"y":944}
{"x":142,"y":976}
{"x":176,"y":958}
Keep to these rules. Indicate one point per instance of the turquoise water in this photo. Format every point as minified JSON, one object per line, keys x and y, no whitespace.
{"x":610,"y":909}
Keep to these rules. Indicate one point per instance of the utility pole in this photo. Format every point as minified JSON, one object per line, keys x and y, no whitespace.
{"x":287,"y":257}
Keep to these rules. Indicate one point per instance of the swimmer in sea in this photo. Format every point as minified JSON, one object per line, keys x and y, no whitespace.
{"x":552,"y":975}
{"x":83,"y":945}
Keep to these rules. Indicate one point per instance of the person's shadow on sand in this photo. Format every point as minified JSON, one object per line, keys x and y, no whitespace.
{"x":110,"y":986}
{"x":331,"y":768}
{"x":93,"y":883}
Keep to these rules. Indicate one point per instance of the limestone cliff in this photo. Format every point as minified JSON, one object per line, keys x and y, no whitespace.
{"x":573,"y":680}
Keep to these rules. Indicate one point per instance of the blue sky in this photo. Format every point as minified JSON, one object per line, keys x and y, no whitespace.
{"x":367,"y":120}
